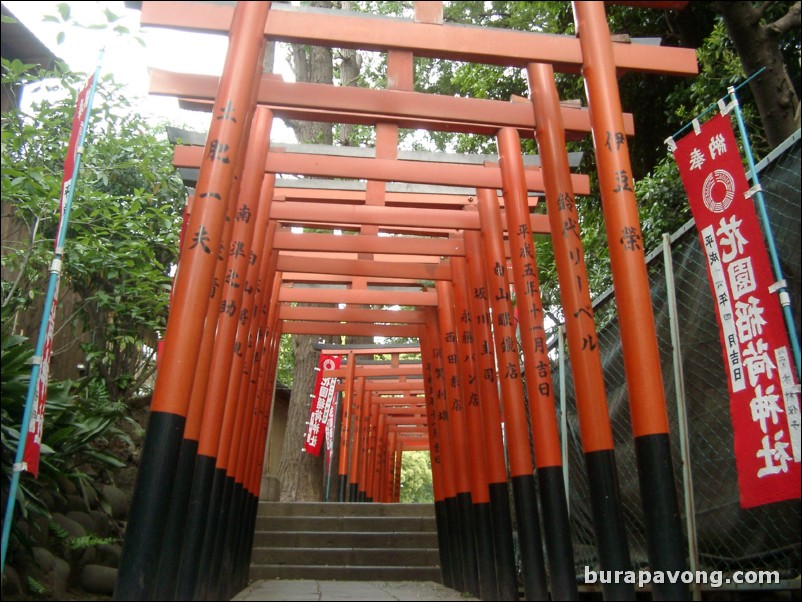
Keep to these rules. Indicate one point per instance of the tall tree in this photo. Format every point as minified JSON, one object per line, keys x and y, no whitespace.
{"x":758,"y":31}
{"x":301,"y":474}
{"x":416,"y":477}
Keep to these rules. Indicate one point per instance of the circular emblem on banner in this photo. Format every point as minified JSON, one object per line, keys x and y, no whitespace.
{"x":328,"y":364}
{"x":718,"y":191}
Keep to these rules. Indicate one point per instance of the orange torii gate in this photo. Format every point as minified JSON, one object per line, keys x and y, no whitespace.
{"x":195,"y":500}
{"x":354,"y":469}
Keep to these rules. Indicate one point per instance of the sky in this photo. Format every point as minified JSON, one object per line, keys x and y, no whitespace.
{"x":128,"y":60}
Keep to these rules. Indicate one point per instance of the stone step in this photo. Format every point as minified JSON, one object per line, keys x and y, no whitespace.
{"x":351,"y":557}
{"x":345,"y":573}
{"x":345,"y":539}
{"x":345,"y":523}
{"x":335,"y":541}
{"x":343,"y":509}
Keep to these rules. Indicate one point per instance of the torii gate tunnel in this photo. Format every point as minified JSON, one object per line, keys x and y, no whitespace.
{"x":244,"y":277}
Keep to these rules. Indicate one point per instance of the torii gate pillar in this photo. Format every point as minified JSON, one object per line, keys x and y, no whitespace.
{"x":633,"y":299}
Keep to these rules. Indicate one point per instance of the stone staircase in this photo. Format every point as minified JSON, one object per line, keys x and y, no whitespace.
{"x":354,"y":542}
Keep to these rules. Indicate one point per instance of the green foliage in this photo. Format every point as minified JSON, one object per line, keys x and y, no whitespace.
{"x":122,"y":241}
{"x":58,"y":531}
{"x":82,"y":434}
{"x":15,"y":357}
{"x":89,"y":541}
{"x":123,"y":233}
{"x":719,"y":68}
{"x":416,"y":477}
{"x":35,"y":586}
{"x":286,"y":361}
{"x":663,"y":204}
{"x":67,"y":22}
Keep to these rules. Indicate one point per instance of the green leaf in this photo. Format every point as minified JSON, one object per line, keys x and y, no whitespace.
{"x":110,"y":16}
{"x":64,"y":10}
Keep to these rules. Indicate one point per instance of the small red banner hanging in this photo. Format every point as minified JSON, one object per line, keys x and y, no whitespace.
{"x":78,"y":118}
{"x":760,"y":374}
{"x":323,"y":405}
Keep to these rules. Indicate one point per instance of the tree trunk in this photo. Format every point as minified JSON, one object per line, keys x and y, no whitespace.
{"x":350,"y":64}
{"x":312,"y":64}
{"x":758,"y":45}
{"x":300,"y":474}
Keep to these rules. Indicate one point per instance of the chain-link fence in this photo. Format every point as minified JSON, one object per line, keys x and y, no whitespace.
{"x":729,"y":538}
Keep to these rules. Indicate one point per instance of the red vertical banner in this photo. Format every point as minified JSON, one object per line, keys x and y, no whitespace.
{"x":78,"y":119}
{"x":33,"y":442}
{"x":760,"y":373}
{"x":323,"y":405}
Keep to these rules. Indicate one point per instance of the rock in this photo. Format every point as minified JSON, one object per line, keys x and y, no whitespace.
{"x":126,"y":477}
{"x":97,"y":579}
{"x":58,"y":503}
{"x":92,"y":498}
{"x":40,"y":530}
{"x":108,"y":554}
{"x":48,"y":500}
{"x":12,"y":586}
{"x":53,"y":573}
{"x":84,"y":500}
{"x":101,"y":522}
{"x":58,"y":580}
{"x":76,"y":502}
{"x":76,"y":555}
{"x":118,"y":500}
{"x":67,"y":486}
{"x":83,"y":519}
{"x":72,"y":527}
{"x":44,"y":559}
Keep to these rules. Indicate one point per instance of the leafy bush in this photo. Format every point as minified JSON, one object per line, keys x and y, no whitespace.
{"x":80,"y":431}
{"x":124,"y":227}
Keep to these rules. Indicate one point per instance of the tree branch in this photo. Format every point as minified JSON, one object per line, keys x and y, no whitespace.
{"x":791,"y":20}
{"x":68,"y":319}
{"x":143,"y":378}
{"x":24,"y":265}
{"x":762,"y":8}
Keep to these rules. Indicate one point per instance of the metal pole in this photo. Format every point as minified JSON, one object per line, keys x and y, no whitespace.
{"x":782,"y":288}
{"x":682,"y":416}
